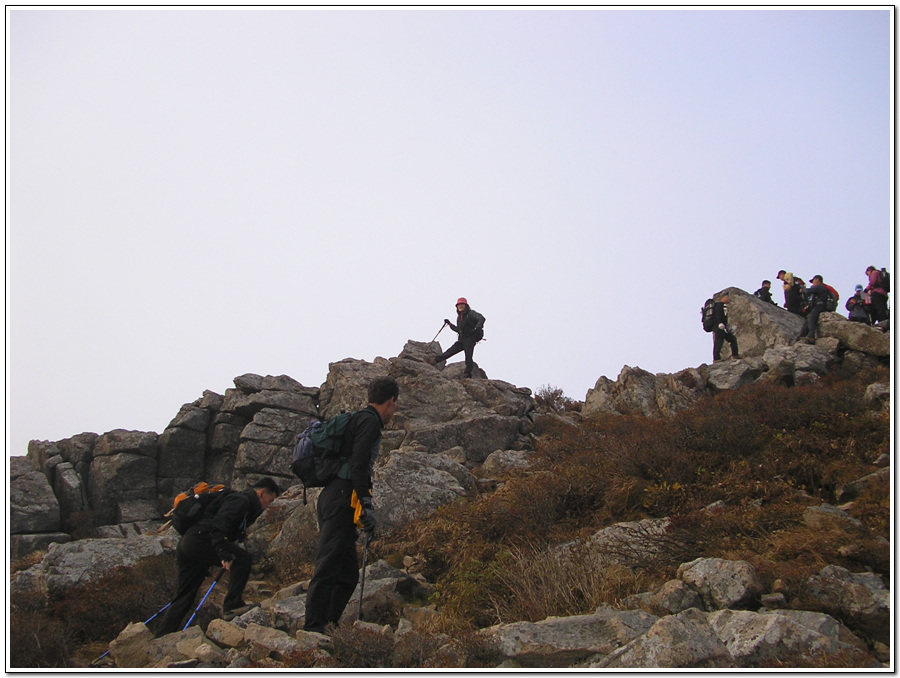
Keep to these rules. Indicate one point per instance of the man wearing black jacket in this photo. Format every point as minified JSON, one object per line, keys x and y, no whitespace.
{"x":470,"y":328}
{"x":818,"y":295}
{"x":213,"y":541}
{"x":721,"y":331}
{"x":337,"y":569}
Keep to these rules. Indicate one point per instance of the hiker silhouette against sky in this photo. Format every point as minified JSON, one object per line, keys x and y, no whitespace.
{"x":470,"y":328}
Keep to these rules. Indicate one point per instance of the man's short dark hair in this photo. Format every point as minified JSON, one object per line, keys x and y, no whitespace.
{"x":268,"y":485}
{"x":383,"y":389}
{"x":766,"y":282}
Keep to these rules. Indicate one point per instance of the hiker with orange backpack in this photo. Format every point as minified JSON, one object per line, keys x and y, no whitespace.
{"x":211,"y":541}
{"x":822,"y":297}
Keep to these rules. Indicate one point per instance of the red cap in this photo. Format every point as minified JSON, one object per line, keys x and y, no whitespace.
{"x":462,"y":300}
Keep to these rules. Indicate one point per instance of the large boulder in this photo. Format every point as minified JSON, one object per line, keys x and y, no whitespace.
{"x":118,"y":479}
{"x":559,"y":642}
{"x":254,"y":393}
{"x":757,"y":640}
{"x":33,"y":506}
{"x":412,"y":483}
{"x":855,"y":336}
{"x":684,"y":640}
{"x":437,"y":409}
{"x":860,"y":600}
{"x":631,"y":544}
{"x":70,"y":491}
{"x":80,"y":562}
{"x":182,"y":445}
{"x":758,"y":325}
{"x":722,"y":583}
{"x":637,"y":391}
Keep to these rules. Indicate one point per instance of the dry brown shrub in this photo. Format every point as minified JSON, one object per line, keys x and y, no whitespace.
{"x":538,"y":583}
{"x":361,"y":648}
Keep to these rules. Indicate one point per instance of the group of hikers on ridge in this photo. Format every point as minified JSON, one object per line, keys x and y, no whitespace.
{"x":868,"y":305}
{"x":343,"y":507}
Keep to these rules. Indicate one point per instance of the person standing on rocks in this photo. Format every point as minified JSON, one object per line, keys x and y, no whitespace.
{"x":213,"y":541}
{"x":470,"y":328}
{"x":337,"y":569}
{"x":764,"y":293}
{"x":793,"y":294}
{"x":721,"y":331}
{"x":878,"y":295}
{"x":857,"y":305}
{"x":818,"y":295}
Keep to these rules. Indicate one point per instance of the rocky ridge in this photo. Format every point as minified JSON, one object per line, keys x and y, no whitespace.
{"x":713,"y":615}
{"x":766,"y":339}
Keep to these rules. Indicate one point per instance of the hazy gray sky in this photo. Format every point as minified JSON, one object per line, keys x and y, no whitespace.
{"x":197,"y":194}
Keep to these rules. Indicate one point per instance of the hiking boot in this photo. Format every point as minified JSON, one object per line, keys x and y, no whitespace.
{"x":228,"y":615}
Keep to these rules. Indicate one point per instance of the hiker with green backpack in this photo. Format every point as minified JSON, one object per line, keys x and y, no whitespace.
{"x":345,"y":503}
{"x":211,"y":540}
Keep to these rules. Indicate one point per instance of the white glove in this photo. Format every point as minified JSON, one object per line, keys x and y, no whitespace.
{"x":731,"y":329}
{"x":722,"y":327}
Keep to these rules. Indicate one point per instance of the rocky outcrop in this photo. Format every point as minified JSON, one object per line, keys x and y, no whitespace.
{"x":80,"y":562}
{"x":766,"y":337}
{"x":123,"y":481}
{"x":564,"y":641}
{"x":861,"y":600}
{"x":33,"y":505}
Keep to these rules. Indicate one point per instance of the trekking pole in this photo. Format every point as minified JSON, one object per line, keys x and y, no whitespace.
{"x":147,"y":621}
{"x":438,"y":332}
{"x":362,"y":584}
{"x":211,"y":587}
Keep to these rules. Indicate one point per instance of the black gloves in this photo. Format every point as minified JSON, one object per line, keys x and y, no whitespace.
{"x":446,"y":322}
{"x":368,"y":515}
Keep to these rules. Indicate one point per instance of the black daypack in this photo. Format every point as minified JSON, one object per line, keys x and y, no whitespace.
{"x":885,"y":280}
{"x":192,"y":505}
{"x":707,"y":314}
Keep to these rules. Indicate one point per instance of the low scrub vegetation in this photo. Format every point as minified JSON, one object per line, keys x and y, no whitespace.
{"x":766,"y":452}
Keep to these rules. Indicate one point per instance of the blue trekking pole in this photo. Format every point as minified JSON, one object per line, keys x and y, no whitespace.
{"x":211,"y":587}
{"x":150,"y":619}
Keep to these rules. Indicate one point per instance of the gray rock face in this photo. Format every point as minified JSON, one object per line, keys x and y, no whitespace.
{"x":630,"y":544}
{"x":721,"y":583}
{"x":637,"y":391}
{"x":684,"y":640}
{"x":412,"y":483}
{"x":79,"y":562}
{"x":855,"y":336}
{"x":861,"y":600}
{"x":70,"y":491}
{"x":562,"y":641}
{"x":32,"y":505}
{"x":755,"y":640}
{"x":119,"y":478}
{"x":22,"y":544}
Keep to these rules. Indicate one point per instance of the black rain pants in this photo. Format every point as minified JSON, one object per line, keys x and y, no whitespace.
{"x":337,"y":565}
